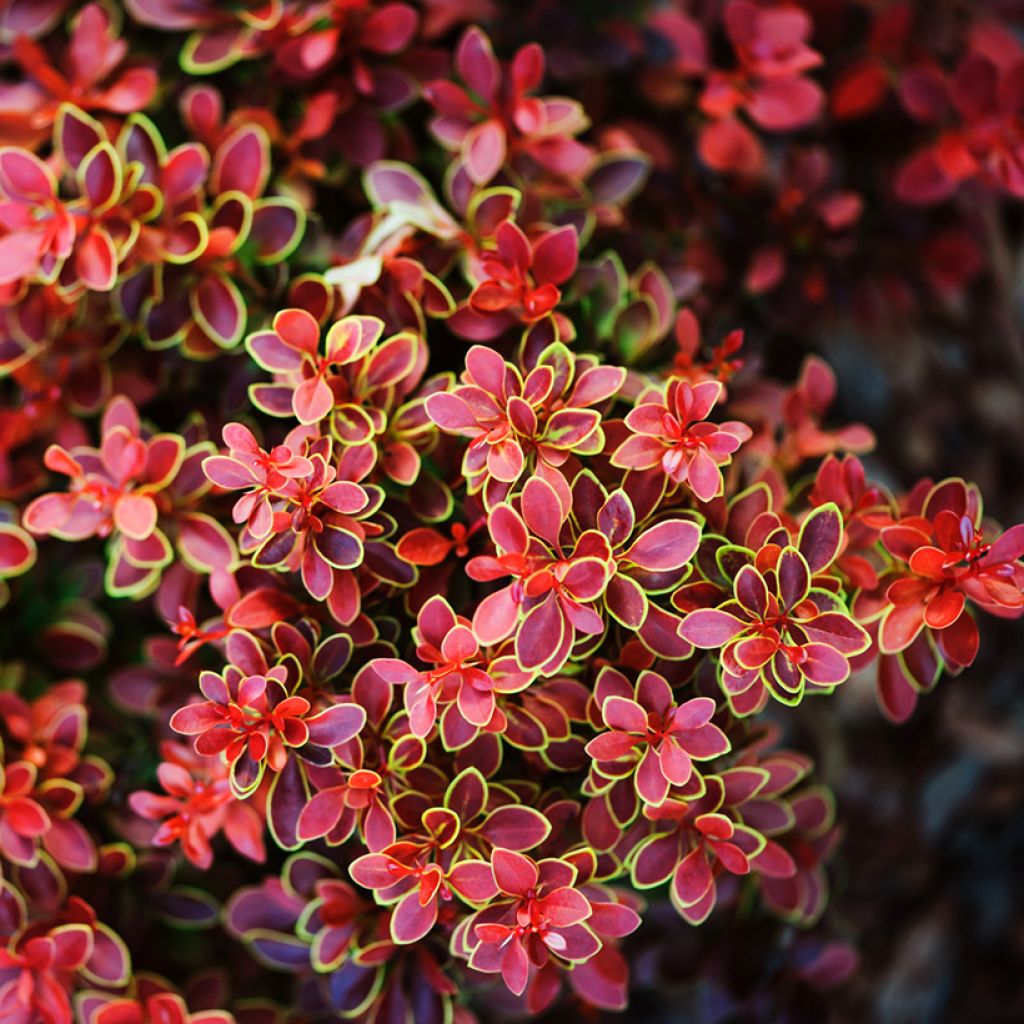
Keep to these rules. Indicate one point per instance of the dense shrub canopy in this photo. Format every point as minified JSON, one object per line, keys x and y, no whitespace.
{"x":408,"y":567}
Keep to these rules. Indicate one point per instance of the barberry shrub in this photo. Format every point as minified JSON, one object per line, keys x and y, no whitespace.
{"x":394,"y":579}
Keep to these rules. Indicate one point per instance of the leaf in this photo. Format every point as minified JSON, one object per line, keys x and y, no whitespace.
{"x":26,"y":817}
{"x":242,"y":162}
{"x":261,"y":608}
{"x":423,"y":546}
{"x":483,"y":151}
{"x":692,"y":879}
{"x":99,"y":178}
{"x":555,"y":256}
{"x":184,"y":172}
{"x":205,"y":544}
{"x":412,"y":920}
{"x":476,"y":63}
{"x":110,"y":963}
{"x":336,"y":725}
{"x":352,"y":337}
{"x":374,"y":871}
{"x":541,"y":633}
{"x":188,"y":908}
{"x":393,"y":671}
{"x":17,"y":550}
{"x":312,"y":400}
{"x":76,"y":134}
{"x":655,"y":860}
{"x":664,"y":546}
{"x":618,"y":176}
{"x":624,"y":715}
{"x":330,"y":948}
{"x":728,"y":145}
{"x":611,"y":746}
{"x":289,"y":793}
{"x":794,"y":578}
{"x":514,"y":873}
{"x":219,"y":309}
{"x":20,"y":253}
{"x":277,"y":227}
{"x":569,"y":428}
{"x":507,"y":529}
{"x":709,"y":628}
{"x":542,"y":511}
{"x":785,"y":104}
{"x":824,"y":665}
{"x":516,"y":828}
{"x":896,"y":691}
{"x":71,"y":946}
{"x":565,"y":907}
{"x":71,"y":846}
{"x":473,"y":880}
{"x":135,"y":515}
{"x":821,"y":535}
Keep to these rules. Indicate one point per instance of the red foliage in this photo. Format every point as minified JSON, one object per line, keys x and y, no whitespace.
{"x":481,"y":599}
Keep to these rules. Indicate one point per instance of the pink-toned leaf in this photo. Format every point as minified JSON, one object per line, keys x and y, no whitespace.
{"x":664,"y":546}
{"x":709,"y":628}
{"x":514,"y":873}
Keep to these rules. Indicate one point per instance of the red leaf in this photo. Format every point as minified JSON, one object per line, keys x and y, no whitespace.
{"x":540,"y":633}
{"x":390,"y":28}
{"x":477,"y":64}
{"x":821,"y":535}
{"x":374,"y":871}
{"x":516,"y":828}
{"x":220,"y":309}
{"x":423,"y":546}
{"x":709,"y":628}
{"x":20,"y":252}
{"x":100,"y":177}
{"x":25,"y":816}
{"x":555,"y":256}
{"x":692,"y":879}
{"x":312,"y":400}
{"x":565,"y":907}
{"x":261,"y":608}
{"x":514,"y":873}
{"x":473,"y":880}
{"x":336,"y":725}
{"x":666,"y":545}
{"x":17,"y":550}
{"x":728,"y":145}
{"x":24,"y":177}
{"x":135,"y":515}
{"x":411,"y":920}
{"x":242,"y":162}
{"x":610,"y":746}
{"x":785,"y":104}
{"x":483,"y":151}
